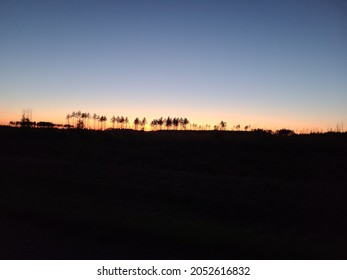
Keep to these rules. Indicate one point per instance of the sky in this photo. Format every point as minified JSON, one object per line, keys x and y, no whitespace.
{"x":268,"y":64}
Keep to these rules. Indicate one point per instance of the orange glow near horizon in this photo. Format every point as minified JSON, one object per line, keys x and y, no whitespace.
{"x":241,"y":63}
{"x":202,"y":119}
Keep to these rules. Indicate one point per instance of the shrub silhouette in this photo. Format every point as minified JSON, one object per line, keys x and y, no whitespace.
{"x":45,"y":124}
{"x":284,"y":132}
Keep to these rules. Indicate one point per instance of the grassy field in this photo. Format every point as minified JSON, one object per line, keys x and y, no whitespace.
{"x":69,"y":194}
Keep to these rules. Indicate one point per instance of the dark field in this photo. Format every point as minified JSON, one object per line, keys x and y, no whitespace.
{"x":69,"y":194}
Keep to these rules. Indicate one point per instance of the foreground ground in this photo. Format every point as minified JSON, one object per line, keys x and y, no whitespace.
{"x":68,"y":194}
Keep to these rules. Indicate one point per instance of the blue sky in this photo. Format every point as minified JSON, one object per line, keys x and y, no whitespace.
{"x":266,"y":63}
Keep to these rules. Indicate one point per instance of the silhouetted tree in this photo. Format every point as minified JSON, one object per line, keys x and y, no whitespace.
{"x":25,"y":121}
{"x":118,"y":121}
{"x":193,"y":126}
{"x":143,"y":123}
{"x":160,"y":123}
{"x":126,"y":122}
{"x":223,"y":125}
{"x":136,"y":123}
{"x":113,"y":120}
{"x":102,"y":121}
{"x":184,"y":123}
{"x":68,"y":116}
{"x":78,"y":115}
{"x":154,"y":124}
{"x":168,"y":123}
{"x":95,"y":118}
{"x":121,"y":121}
{"x":105,"y":120}
{"x":88,"y":118}
{"x":175,"y":122}
{"x":73,"y":116}
{"x":80,"y":124}
{"x":84,"y":117}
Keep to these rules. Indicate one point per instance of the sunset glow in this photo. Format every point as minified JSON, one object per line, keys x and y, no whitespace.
{"x":259,"y":63}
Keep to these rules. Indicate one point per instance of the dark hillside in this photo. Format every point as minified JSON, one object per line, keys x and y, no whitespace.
{"x":70,"y":194}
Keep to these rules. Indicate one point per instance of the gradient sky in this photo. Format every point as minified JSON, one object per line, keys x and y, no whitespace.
{"x":270,"y":64}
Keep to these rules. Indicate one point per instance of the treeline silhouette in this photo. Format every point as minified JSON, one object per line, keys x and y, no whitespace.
{"x":80,"y":120}
{"x":85,"y":120}
{"x":27,"y":122}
